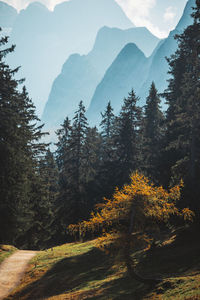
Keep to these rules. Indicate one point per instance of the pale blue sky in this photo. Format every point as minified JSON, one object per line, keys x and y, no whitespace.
{"x":159,"y":16}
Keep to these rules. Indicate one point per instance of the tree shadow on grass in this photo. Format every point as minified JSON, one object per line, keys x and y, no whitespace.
{"x":175,"y":258}
{"x":69,"y":274}
{"x":78,"y":274}
{"x":124,"y":288}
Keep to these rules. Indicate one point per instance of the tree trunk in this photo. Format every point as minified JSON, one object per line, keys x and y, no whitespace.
{"x":127,"y":255}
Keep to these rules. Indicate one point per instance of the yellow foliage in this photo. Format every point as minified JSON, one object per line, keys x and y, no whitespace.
{"x":187,"y":214}
{"x":151,"y":205}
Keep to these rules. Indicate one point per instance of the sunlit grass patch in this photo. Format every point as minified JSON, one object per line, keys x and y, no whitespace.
{"x":5,"y":251}
{"x":79,"y":271}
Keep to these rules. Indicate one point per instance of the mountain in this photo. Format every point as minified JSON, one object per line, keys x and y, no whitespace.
{"x":126,"y":72}
{"x":81,"y":74}
{"x":8,"y":15}
{"x":119,"y":79}
{"x":158,"y":71}
{"x":45,"y":39}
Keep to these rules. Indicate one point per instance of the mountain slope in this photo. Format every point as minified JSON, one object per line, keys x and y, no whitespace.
{"x":81,"y":74}
{"x":126,"y":72}
{"x":154,"y":69}
{"x":8,"y":15}
{"x":45,"y":39}
{"x":158,"y":71}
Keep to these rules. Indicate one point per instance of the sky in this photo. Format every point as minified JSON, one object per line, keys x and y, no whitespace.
{"x":159,"y":16}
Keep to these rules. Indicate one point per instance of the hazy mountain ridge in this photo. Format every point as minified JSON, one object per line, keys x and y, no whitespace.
{"x":130,"y":63}
{"x":158,"y":71}
{"x":8,"y":15}
{"x":81,"y":74}
{"x":155,"y":69}
{"x":45,"y":39}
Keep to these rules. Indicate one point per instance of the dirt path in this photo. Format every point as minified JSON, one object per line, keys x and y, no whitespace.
{"x":12,"y":270}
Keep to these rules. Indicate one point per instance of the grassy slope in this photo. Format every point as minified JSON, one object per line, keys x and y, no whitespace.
{"x":79,"y":271}
{"x":5,"y":251}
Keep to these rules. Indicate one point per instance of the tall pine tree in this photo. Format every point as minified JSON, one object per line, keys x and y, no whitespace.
{"x":20,"y":148}
{"x":183,"y":129}
{"x":109,"y":165}
{"x":127,"y":138}
{"x":153,"y":133}
{"x":72,"y":160}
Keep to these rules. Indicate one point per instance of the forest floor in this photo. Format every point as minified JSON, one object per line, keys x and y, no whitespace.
{"x":79,"y":271}
{"x":12,"y":270}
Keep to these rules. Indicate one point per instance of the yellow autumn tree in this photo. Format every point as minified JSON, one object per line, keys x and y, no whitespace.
{"x":131,"y":217}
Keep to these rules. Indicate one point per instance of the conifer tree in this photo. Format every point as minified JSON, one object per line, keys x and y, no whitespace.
{"x":91,"y":164}
{"x":71,"y":159}
{"x":91,"y":154}
{"x":107,"y":122}
{"x":153,"y":132}
{"x":63,"y":159}
{"x":183,"y":140}
{"x":109,"y":164}
{"x":63,"y":155}
{"x":20,"y":148}
{"x":78,"y":135}
{"x":127,"y":137}
{"x":50,"y":175}
{"x":107,"y":133}
{"x":44,"y":202}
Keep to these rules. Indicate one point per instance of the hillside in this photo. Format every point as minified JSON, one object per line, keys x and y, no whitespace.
{"x":80,"y":271}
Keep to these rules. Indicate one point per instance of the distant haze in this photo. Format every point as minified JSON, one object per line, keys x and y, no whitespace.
{"x":45,"y":39}
{"x":159,"y":16}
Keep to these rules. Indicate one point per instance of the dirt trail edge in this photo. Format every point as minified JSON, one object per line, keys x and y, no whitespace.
{"x":12,"y":270}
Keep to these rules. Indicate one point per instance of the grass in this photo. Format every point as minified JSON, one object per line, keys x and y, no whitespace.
{"x":5,"y":251}
{"x":79,"y":271}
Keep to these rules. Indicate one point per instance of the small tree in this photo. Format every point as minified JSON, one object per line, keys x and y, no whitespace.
{"x":131,"y":217}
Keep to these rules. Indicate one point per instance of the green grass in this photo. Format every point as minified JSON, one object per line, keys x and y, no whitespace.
{"x":5,"y":251}
{"x":80,"y":271}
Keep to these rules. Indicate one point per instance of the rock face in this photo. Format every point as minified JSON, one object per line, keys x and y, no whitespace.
{"x":45,"y":39}
{"x":8,"y":15}
{"x":127,"y":72}
{"x":81,"y":74}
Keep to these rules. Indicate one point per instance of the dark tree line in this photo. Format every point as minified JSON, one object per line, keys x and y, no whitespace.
{"x":42,"y":193}
{"x":27,"y":188}
{"x":182,"y":137}
{"x":92,"y":163}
